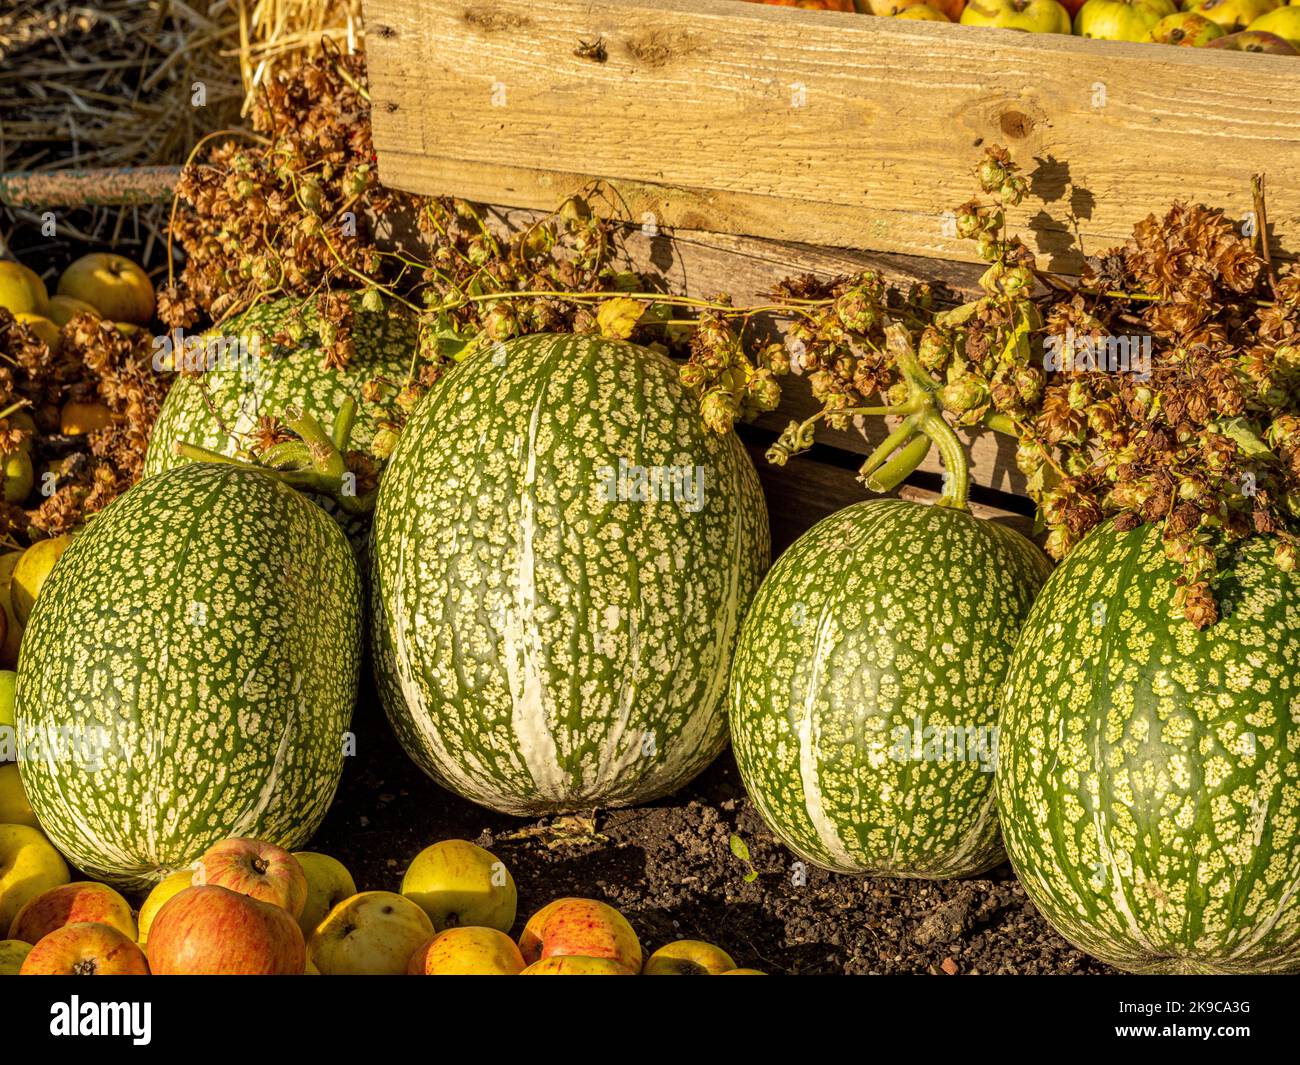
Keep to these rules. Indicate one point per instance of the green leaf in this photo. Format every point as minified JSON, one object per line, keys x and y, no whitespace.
{"x":1243,"y":435}
{"x":957,"y":316}
{"x":739,"y":847}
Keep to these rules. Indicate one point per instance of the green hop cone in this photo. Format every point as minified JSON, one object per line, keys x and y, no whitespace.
{"x":719,"y":410}
{"x":856,"y":310}
{"x":762,"y":391}
{"x":964,"y":394}
{"x":1285,"y":556}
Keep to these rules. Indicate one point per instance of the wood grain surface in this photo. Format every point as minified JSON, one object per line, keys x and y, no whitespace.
{"x":823,"y":127}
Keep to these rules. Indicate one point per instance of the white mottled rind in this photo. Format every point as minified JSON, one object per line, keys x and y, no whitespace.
{"x":540,"y":648}
{"x":219,"y":407}
{"x":883,"y":613}
{"x":1149,"y":784}
{"x":208,"y":624}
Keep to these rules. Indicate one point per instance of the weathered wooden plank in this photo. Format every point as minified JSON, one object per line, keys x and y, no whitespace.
{"x":803,"y":492}
{"x":699,"y":263}
{"x":823,"y":127}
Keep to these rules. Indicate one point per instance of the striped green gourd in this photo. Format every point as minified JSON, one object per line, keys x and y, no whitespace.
{"x":544,"y":639}
{"x":863,"y":695}
{"x":188,"y":674}
{"x":1149,"y":783}
{"x":219,"y":407}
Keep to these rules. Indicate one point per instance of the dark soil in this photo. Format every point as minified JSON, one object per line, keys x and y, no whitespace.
{"x":670,"y":870}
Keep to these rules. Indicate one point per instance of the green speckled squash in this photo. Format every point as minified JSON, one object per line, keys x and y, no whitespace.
{"x":1149,"y":782}
{"x":553,"y":628}
{"x":863,"y":694}
{"x":219,"y":407}
{"x":188,"y":674}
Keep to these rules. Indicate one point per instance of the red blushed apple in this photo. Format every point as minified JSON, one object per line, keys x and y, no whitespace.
{"x":1185,"y":29}
{"x":215,"y":931}
{"x":580,"y":927}
{"x":260,"y":870}
{"x":75,"y":903}
{"x":1254,"y":41}
{"x":85,"y":949}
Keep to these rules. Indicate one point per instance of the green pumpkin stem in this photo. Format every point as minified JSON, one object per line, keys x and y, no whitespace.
{"x":902,"y":465}
{"x":885,"y":449}
{"x":326,"y":458}
{"x":956,"y":482}
{"x":344,"y":421}
{"x":286,"y":455}
{"x":313,"y":463}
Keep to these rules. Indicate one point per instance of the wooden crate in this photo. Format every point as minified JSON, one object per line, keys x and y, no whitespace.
{"x":824,"y":127}
{"x":752,"y":143}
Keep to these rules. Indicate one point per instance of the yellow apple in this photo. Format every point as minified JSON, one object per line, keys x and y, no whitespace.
{"x":328,"y":884}
{"x":18,"y":476}
{"x":113,"y":285}
{"x":1283,"y":21}
{"x":13,"y":630}
{"x":921,"y":13}
{"x":951,"y":9}
{"x":1234,"y":15}
{"x":467,"y":951}
{"x":29,"y":864}
{"x":30,"y":573}
{"x":576,"y":965}
{"x":8,"y":738}
{"x":585,"y":928}
{"x":310,"y":969}
{"x":688,"y":957}
{"x":21,"y":289}
{"x":743,"y":972}
{"x":76,"y":903}
{"x":162,"y":891}
{"x":1033,"y":16}
{"x":14,"y":807}
{"x":77,"y":419}
{"x":65,"y":308}
{"x":371,"y":934}
{"x":12,"y":953}
{"x":459,"y":883}
{"x":46,"y":330}
{"x":1121,"y":20}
